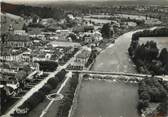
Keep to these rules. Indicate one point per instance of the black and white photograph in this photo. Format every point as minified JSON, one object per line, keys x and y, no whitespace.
{"x":84,"y":58}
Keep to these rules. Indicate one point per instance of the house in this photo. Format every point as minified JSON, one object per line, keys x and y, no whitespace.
{"x":82,"y":58}
{"x":70,"y":16}
{"x":11,"y":55}
{"x":47,"y":21}
{"x":62,"y":34}
{"x":26,"y":56}
{"x":20,"y":32}
{"x":92,"y":37}
{"x":17,"y":41}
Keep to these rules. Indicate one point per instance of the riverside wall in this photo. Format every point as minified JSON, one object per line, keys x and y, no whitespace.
{"x":75,"y":99}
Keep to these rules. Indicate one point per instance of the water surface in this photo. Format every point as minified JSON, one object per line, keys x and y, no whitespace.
{"x":107,"y":99}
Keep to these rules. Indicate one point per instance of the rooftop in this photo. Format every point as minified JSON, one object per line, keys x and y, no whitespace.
{"x":12,"y":37}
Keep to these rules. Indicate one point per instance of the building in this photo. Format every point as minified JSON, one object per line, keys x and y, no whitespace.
{"x":20,"y":32}
{"x":15,"y":55}
{"x":17,"y":41}
{"x":26,"y":56}
{"x":62,"y":34}
{"x":82,"y":58}
{"x":92,"y":37}
{"x":9,"y":55}
{"x":47,"y":21}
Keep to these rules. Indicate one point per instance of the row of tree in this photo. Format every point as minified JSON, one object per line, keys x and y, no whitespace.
{"x":39,"y":96}
{"x":92,"y":57}
{"x":66,"y":103}
{"x":147,"y":57}
{"x":158,"y":32}
{"x":47,"y":66}
{"x":107,"y":31}
{"x":151,"y":90}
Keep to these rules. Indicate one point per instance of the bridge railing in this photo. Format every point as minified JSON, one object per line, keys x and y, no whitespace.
{"x":119,"y":74}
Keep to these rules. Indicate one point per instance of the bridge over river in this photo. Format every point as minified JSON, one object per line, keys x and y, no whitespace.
{"x":165,"y":78}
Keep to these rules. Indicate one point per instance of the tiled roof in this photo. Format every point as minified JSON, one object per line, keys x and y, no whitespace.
{"x":12,"y":37}
{"x":84,"y":54}
{"x":8,"y":52}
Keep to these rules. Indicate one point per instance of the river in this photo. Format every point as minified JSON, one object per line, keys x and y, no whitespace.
{"x":110,"y":99}
{"x":115,"y":58}
{"x":115,"y":99}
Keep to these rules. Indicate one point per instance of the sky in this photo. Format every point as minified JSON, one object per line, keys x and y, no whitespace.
{"x":45,"y":1}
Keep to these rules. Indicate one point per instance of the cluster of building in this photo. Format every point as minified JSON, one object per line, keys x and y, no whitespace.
{"x":21,"y":49}
{"x":80,"y":60}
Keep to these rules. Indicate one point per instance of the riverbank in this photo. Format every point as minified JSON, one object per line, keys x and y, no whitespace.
{"x":110,"y":42}
{"x":147,"y":57}
{"x":74,"y":105}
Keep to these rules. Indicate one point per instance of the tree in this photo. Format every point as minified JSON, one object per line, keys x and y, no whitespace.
{"x":61,"y":75}
{"x":73,"y":37}
{"x":25,"y":27}
{"x":46,"y":88}
{"x":163,"y":56}
{"x":106,"y":31}
{"x":144,"y":95}
{"x":20,"y":75}
{"x":52,"y":82}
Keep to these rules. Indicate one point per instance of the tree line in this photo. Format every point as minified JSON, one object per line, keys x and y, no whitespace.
{"x":47,"y":66}
{"x":152,"y":90}
{"x":147,"y":57}
{"x":25,"y":11}
{"x":92,"y":57}
{"x":39,"y":96}
{"x":67,"y":101}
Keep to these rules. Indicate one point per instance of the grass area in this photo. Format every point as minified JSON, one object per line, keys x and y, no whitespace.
{"x":7,"y":20}
{"x":55,"y":107}
{"x":7,"y":106}
{"x":38,"y":109}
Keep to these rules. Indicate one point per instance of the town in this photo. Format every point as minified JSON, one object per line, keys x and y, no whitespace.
{"x":51,"y":55}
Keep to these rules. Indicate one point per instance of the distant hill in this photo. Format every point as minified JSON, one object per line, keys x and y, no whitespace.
{"x":8,"y":19}
{"x":57,"y":9}
{"x":24,"y":10}
{"x":54,"y":3}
